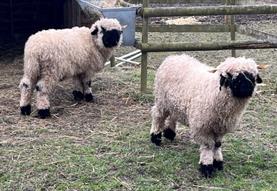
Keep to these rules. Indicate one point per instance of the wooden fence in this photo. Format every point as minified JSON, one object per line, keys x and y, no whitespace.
{"x":175,"y":1}
{"x":264,"y":40}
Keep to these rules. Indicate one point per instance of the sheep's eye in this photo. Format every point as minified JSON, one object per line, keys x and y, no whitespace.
{"x":120,"y":32}
{"x":95,"y":31}
{"x":229,"y":75}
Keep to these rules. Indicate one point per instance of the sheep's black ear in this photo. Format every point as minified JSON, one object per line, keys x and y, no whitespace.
{"x":222,"y":81}
{"x":95,"y":31}
{"x":103,"y":29}
{"x":259,"y":79}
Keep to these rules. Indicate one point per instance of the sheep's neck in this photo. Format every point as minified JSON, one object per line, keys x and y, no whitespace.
{"x":234,"y":105}
{"x":106,"y":53}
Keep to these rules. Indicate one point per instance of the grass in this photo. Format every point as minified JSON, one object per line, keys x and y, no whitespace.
{"x":117,"y":155}
{"x":106,"y":146}
{"x":129,"y":162}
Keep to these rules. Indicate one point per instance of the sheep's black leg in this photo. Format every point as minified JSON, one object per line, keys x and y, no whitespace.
{"x":218,"y":157}
{"x":78,"y":96}
{"x":158,"y":123}
{"x":44,"y":113}
{"x":206,"y":170}
{"x":86,"y":83}
{"x":218,"y":165}
{"x":206,"y":161}
{"x":25,"y":110}
{"x":89,"y":97}
{"x":78,"y":88}
{"x":26,"y":90}
{"x":170,"y":126}
{"x":83,"y":88}
{"x":88,"y":92}
{"x":44,"y":87}
{"x":156,"y":139}
{"x":169,"y":134}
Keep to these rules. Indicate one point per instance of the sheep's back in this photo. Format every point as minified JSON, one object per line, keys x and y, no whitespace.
{"x":181,"y":82}
{"x":67,"y":51}
{"x":181,"y":75}
{"x":59,"y":44}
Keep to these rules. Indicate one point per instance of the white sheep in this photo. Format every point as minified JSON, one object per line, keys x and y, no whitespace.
{"x":210,"y":103}
{"x":53,"y":55}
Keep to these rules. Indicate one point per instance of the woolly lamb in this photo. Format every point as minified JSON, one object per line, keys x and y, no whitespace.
{"x":210,"y":103}
{"x":53,"y":55}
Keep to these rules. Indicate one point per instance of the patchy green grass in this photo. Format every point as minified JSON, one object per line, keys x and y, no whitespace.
{"x":115,"y":153}
{"x":146,"y":97}
{"x":106,"y":146}
{"x":129,"y":162}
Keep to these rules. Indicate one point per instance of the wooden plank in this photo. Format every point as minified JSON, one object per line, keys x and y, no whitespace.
{"x":186,"y":28}
{"x":18,"y":13}
{"x":112,"y":61}
{"x":209,"y":10}
{"x":125,"y":4}
{"x":4,"y":29}
{"x":4,"y":20}
{"x":76,"y":13}
{"x":231,"y":23}
{"x":5,"y":2}
{"x":177,"y":1}
{"x":4,"y":6}
{"x":255,"y":33}
{"x":23,"y":6}
{"x":144,"y":56}
{"x":5,"y":13}
{"x":165,"y":47}
{"x":65,"y":14}
{"x":68,"y":14}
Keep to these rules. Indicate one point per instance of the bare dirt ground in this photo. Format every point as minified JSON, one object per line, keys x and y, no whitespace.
{"x":105,"y":145}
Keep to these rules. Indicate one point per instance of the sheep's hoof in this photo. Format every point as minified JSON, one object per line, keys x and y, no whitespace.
{"x":169,"y":134}
{"x":217,"y":144}
{"x":78,"y":96}
{"x":156,"y":139}
{"x":25,"y":110}
{"x":89,"y":98}
{"x":207,"y":170}
{"x":218,"y":165}
{"x":43,"y":113}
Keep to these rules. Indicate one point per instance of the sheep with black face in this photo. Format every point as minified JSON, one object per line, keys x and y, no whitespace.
{"x":209,"y":101}
{"x":52,"y":55}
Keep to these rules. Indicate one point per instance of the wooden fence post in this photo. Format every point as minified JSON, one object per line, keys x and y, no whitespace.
{"x":144,"y":55}
{"x":112,"y":60}
{"x":230,"y":21}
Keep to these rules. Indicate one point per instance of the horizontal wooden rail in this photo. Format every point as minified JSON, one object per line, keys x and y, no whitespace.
{"x":125,"y":4}
{"x":177,"y":1}
{"x":209,"y":10}
{"x":255,"y":33}
{"x":186,"y":28}
{"x":164,"y":47}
